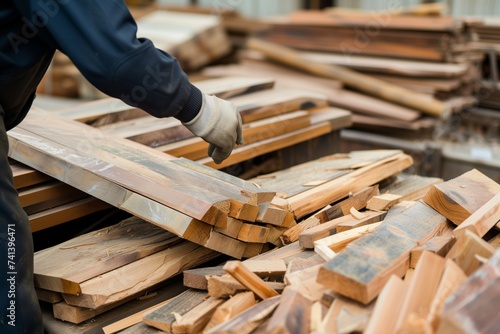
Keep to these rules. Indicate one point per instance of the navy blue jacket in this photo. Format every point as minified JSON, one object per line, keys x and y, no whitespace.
{"x":99,"y":36}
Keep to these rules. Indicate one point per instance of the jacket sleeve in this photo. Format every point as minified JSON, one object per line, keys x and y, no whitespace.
{"x":100,"y":38}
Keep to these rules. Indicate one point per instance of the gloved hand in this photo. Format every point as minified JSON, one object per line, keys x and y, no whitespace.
{"x":219,"y":124}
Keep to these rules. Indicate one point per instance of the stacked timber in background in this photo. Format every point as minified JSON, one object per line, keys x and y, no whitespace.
{"x":430,"y":56}
{"x":411,"y":270}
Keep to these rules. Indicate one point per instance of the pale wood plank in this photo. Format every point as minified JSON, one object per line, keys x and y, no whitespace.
{"x":250,"y":280}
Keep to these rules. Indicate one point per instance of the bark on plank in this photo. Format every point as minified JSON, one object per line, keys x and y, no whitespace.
{"x":139,"y":275}
{"x":360,"y":273}
{"x":460,"y":197}
{"x":65,"y":266}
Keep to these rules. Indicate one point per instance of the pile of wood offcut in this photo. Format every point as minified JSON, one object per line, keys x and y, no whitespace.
{"x":386,"y":265}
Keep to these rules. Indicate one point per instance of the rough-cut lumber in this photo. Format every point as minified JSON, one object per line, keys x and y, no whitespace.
{"x":45,"y":192}
{"x":361,"y":271}
{"x":226,"y":286}
{"x":292,"y":315}
{"x":253,"y":233}
{"x":65,"y":266}
{"x":439,"y":245}
{"x":248,"y":320}
{"x":48,"y":296}
{"x":391,"y":298}
{"x":139,"y":275}
{"x":483,"y":219}
{"x":468,"y":252}
{"x":421,"y":291}
{"x":383,"y":202}
{"x":231,"y":308}
{"x":351,"y":78}
{"x":293,"y":233}
{"x":25,"y":176}
{"x":338,"y":188}
{"x":163,"y":317}
{"x":410,"y":187}
{"x":345,"y":315}
{"x":357,"y":200}
{"x":131,"y":320}
{"x":248,"y":279}
{"x":231,"y":86}
{"x":194,"y":320}
{"x":460,"y":197}
{"x":472,"y":309}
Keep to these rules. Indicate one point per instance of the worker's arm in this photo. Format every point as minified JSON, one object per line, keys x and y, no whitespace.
{"x":100,"y":38}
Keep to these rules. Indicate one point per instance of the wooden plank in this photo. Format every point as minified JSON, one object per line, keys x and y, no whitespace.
{"x":65,"y":266}
{"x":226,"y":286}
{"x":411,"y":187}
{"x":293,"y":314}
{"x":361,"y":271}
{"x":25,"y":176}
{"x":250,"y":280}
{"x":48,"y":296}
{"x":339,"y":241}
{"x":383,"y":202}
{"x":471,"y":309}
{"x":326,"y":193}
{"x":452,"y":278}
{"x":44,"y":192}
{"x":458,"y":198}
{"x":469,"y":252}
{"x":248,"y":320}
{"x":162,"y":318}
{"x":383,"y":319}
{"x":369,"y":217}
{"x":439,"y":245}
{"x":139,"y":275}
{"x":232,"y":86}
{"x":483,"y":219}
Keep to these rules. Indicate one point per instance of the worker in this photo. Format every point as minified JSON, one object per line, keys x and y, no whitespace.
{"x":100,"y":39}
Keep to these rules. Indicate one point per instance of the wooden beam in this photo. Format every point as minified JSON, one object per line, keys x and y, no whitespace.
{"x":439,"y":245}
{"x":383,"y":202}
{"x":460,"y":197}
{"x":339,"y":241}
{"x":483,"y":219}
{"x":226,"y":286}
{"x":361,"y":271}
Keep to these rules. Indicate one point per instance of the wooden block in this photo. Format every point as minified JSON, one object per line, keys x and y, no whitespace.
{"x":270,"y":214}
{"x":293,"y":314}
{"x":243,"y":211}
{"x":439,"y":245}
{"x":468,"y":252}
{"x":226,"y":245}
{"x":25,"y":176}
{"x":346,"y":316}
{"x":421,"y":291}
{"x":383,"y":319}
{"x":361,"y":271}
{"x":248,"y":279}
{"x":253,"y":249}
{"x":383,"y":202}
{"x":339,"y":241}
{"x":483,"y":219}
{"x":194,"y":320}
{"x":231,"y":308}
{"x":293,"y":234}
{"x":231,"y":229}
{"x":248,"y":320}
{"x":472,"y":308}
{"x":198,"y":278}
{"x":253,"y":233}
{"x":411,"y":187}
{"x":162,"y":318}
{"x":226,"y":286}
{"x":65,"y":266}
{"x":460,"y":197}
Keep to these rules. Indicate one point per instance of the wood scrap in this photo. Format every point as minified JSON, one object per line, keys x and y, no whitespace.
{"x":231,"y":308}
{"x":469,"y":252}
{"x":362,"y":277}
{"x":292,"y":315}
{"x":194,"y":320}
{"x":251,"y":281}
{"x":225,"y":286}
{"x":483,"y":219}
{"x":439,"y":245}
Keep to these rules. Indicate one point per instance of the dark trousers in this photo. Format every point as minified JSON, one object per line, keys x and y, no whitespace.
{"x":19,"y":307}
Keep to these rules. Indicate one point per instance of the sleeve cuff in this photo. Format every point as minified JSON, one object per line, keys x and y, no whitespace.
{"x":192,"y":106}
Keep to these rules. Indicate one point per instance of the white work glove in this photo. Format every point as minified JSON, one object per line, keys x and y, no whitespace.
{"x":219,"y":124}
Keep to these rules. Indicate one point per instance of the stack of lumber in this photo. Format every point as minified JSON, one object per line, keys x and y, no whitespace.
{"x":413,"y":270}
{"x":438,"y":66}
{"x":49,"y":202}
